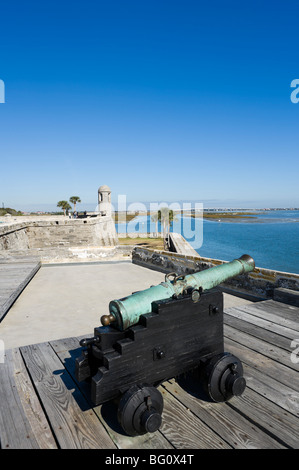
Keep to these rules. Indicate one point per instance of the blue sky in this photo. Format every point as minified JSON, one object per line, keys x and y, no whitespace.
{"x":160,"y":100}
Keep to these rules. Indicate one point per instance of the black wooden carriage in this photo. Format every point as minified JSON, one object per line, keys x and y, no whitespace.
{"x":178,"y":336}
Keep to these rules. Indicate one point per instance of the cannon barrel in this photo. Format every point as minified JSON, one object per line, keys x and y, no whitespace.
{"x":125,"y":312}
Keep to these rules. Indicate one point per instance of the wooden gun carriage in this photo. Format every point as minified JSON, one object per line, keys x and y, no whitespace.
{"x":157,"y":334}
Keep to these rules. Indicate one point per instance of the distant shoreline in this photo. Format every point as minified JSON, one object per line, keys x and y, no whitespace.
{"x":226,"y":215}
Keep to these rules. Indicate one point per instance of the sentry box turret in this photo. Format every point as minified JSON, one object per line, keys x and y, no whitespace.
{"x":158,"y":334}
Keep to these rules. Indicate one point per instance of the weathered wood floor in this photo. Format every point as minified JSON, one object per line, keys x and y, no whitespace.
{"x":42,"y":406}
{"x":14,"y":277}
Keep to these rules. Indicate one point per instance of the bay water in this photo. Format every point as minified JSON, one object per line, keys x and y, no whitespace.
{"x":271,"y":237}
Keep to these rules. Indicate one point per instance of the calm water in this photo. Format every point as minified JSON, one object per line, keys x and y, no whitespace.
{"x":272,"y":239}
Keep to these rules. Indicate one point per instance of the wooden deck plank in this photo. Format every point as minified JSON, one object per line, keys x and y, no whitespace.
{"x":68,"y":349}
{"x":14,"y":277}
{"x":23,"y":424}
{"x":231,"y":425}
{"x":281,"y":309}
{"x":261,"y":351}
{"x":184,"y":430}
{"x":240,"y":313}
{"x":260,"y":379}
{"x":273,"y":390}
{"x":74,"y":424}
{"x":275,"y":312}
{"x":270,"y":417}
{"x":258,"y":332}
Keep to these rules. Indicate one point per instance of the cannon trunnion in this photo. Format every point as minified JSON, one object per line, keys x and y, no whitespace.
{"x":180,"y":334}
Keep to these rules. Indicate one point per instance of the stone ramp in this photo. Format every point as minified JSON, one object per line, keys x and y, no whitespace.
{"x":178,"y":244}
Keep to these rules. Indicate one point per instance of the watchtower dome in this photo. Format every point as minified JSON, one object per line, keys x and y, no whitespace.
{"x":104,"y":200}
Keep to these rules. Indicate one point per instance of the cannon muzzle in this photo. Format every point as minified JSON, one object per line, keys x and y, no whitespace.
{"x":125,"y":312}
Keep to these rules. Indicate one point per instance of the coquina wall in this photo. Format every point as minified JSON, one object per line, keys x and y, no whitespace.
{"x":58,"y":232}
{"x":262,"y":283}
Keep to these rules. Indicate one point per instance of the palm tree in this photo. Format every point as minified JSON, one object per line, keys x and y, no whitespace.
{"x":74,"y":200}
{"x":64,"y":206}
{"x":154,"y":218}
{"x":166,"y":217}
{"x":67,"y":207}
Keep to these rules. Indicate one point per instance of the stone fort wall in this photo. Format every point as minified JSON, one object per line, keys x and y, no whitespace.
{"x":57,"y":232}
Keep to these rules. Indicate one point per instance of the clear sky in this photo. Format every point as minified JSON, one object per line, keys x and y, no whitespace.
{"x":162,"y":100}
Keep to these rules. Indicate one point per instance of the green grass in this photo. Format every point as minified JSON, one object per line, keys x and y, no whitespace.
{"x":146,"y":242}
{"x":123,"y":217}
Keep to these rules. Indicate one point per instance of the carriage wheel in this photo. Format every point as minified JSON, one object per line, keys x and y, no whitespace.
{"x":140,"y":409}
{"x":223,"y":377}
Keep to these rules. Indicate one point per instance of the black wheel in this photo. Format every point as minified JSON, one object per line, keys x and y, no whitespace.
{"x":222,"y":377}
{"x":140,"y":409}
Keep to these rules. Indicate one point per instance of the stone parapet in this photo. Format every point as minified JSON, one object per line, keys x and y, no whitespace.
{"x":261,"y":283}
{"x":57,"y":232}
{"x":140,"y":235}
